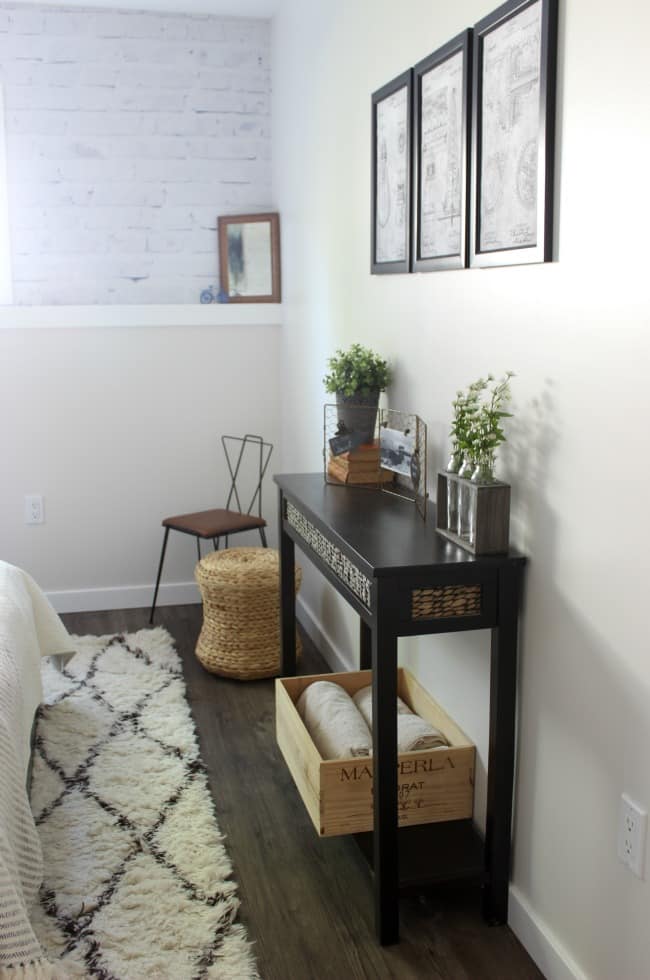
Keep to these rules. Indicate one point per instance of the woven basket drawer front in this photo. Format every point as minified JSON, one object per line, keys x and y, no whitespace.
{"x":422,"y":604}
{"x":446,"y":602}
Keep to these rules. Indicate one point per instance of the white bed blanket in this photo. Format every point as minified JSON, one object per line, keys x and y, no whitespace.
{"x":29,"y":629}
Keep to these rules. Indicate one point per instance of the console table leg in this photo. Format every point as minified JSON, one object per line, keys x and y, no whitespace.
{"x":287,"y":599}
{"x":384,"y":713}
{"x":365,"y":646}
{"x":501,"y":756}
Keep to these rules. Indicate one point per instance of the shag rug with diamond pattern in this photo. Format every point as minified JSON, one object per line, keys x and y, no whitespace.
{"x":138,"y":883}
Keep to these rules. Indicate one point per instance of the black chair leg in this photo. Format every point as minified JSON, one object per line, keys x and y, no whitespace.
{"x":160,"y":567}
{"x":263,"y":537}
{"x":215,"y":542}
{"x":198,"y":548}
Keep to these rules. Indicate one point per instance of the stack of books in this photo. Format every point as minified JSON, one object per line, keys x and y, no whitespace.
{"x":359,"y":466}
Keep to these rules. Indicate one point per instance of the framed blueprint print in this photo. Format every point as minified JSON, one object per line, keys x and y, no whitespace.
{"x":249,"y":257}
{"x":513,"y":124}
{"x":441,"y":138}
{"x":391,"y":176}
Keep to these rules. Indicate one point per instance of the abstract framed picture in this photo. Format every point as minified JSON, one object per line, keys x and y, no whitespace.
{"x":249,"y":257}
{"x":513,"y":145}
{"x":441,"y":139}
{"x":391,"y":176}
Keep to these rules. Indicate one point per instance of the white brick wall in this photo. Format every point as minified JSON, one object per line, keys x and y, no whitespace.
{"x":127,"y":135}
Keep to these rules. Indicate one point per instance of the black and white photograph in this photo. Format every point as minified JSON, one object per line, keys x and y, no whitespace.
{"x":346,"y":440}
{"x":396,"y":450}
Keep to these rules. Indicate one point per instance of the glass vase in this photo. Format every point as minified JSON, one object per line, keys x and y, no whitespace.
{"x":464,"y":498}
{"x":452,"y":491}
{"x":483,"y":472}
{"x":482,"y":475}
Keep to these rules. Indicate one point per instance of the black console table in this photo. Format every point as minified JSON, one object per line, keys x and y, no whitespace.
{"x":404,"y":579}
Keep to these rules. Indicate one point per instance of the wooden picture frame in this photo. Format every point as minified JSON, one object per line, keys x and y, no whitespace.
{"x":390,"y":210}
{"x":513,"y":123}
{"x":441,"y":139}
{"x":249,"y":257}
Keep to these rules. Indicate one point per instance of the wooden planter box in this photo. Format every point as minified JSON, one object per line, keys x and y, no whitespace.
{"x":491,"y":505}
{"x":433,"y":785}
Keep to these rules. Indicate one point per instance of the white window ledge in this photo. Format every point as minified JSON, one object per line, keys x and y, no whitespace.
{"x":189,"y":315}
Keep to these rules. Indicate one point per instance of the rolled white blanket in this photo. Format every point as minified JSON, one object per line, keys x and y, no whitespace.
{"x":334,"y":722}
{"x":413,"y":732}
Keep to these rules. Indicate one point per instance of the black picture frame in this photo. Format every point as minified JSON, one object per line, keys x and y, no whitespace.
{"x":392,"y":124}
{"x":441,"y":142}
{"x":513,"y":134}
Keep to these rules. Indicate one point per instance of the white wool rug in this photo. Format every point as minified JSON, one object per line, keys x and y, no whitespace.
{"x":137,"y":880}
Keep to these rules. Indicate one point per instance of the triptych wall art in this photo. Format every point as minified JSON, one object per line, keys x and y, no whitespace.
{"x":463,"y":147}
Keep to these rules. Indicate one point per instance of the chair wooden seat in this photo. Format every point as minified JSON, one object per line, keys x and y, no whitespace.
{"x":214,"y":523}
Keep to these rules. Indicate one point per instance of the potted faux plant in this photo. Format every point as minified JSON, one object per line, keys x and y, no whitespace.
{"x":357,"y":376}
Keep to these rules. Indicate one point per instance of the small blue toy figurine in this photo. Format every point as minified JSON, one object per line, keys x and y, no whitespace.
{"x":222,"y":296}
{"x":207,"y":296}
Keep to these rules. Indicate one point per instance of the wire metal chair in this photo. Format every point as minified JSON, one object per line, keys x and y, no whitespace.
{"x":232,"y":519}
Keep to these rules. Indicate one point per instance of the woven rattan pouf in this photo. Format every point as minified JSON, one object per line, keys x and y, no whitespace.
{"x":240,"y":636}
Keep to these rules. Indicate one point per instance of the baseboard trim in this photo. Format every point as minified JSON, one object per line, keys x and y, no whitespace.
{"x":124,"y":597}
{"x":541,"y":945}
{"x":336,"y":660}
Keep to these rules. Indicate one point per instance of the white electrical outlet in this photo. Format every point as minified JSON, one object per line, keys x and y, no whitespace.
{"x":34,"y":513}
{"x":632,"y":824}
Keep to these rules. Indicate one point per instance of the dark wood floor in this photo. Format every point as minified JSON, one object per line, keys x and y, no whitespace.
{"x":307,"y":902}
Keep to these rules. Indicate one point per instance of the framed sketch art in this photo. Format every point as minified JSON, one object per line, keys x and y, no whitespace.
{"x":391,"y":176}
{"x":249,"y":257}
{"x":441,"y":137}
{"x":513,"y":134}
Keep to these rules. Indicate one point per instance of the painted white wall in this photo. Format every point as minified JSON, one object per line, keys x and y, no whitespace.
{"x":117,"y":425}
{"x":6,"y":294}
{"x":577,"y":334}
{"x":128,"y":133}
{"x":113,"y":413}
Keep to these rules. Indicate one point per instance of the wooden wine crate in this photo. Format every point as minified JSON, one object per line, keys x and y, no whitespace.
{"x":432,"y":785}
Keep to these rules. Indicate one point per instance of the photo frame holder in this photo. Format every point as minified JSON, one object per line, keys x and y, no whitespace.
{"x":350,"y":460}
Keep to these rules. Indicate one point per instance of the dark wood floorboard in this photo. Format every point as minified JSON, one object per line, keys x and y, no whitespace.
{"x":307,"y":902}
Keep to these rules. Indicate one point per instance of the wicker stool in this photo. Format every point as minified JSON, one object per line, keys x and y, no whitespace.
{"x":240,"y":636}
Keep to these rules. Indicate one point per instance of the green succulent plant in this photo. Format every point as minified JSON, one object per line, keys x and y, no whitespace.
{"x":357,"y":370}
